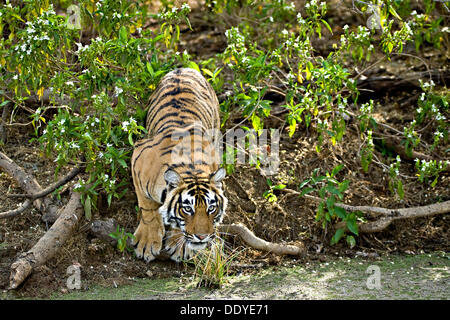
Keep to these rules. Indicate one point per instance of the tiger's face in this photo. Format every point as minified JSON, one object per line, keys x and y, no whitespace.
{"x":195,"y":206}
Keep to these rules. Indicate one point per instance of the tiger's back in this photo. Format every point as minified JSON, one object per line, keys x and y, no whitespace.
{"x":177,"y":160}
{"x":182,"y":97}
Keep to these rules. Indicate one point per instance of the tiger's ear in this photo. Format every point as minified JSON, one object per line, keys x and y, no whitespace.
{"x":218,"y":176}
{"x":172,"y":178}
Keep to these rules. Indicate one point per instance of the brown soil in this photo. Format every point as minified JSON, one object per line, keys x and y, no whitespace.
{"x":290,"y":219}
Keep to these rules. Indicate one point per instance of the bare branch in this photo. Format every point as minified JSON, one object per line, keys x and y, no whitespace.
{"x":385,"y":216}
{"x":72,"y":174}
{"x":257,"y":243}
{"x":29,"y":184}
{"x":15,"y":212}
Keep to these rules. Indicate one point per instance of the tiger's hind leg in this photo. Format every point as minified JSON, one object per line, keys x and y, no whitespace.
{"x":149,"y":233}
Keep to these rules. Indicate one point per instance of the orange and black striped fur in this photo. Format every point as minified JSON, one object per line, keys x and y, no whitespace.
{"x":176,"y":169}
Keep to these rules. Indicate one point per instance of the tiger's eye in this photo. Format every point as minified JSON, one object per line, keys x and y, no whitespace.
{"x":187,"y":209}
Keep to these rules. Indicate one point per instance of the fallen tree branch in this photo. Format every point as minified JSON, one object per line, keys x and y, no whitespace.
{"x":49,"y":244}
{"x":102,"y":228}
{"x":257,"y":243}
{"x":15,"y":212}
{"x":390,"y":215}
{"x":72,"y":174}
{"x":385,"y":216}
{"x":29,"y":184}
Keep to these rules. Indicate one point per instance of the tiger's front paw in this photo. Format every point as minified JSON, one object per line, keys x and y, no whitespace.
{"x":148,"y":240}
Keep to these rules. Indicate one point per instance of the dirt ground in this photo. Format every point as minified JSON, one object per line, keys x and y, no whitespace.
{"x":290,"y":219}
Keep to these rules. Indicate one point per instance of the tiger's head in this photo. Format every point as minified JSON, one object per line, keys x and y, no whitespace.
{"x":194,"y":205}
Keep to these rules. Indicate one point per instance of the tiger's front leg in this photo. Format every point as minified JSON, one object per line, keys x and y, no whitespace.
{"x":175,"y":245}
{"x":149,"y":234}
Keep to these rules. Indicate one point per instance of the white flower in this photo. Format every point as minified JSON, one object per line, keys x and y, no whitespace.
{"x":117,"y":91}
{"x":69,"y":83}
{"x":15,"y":77}
{"x":439,"y":134}
{"x":345,"y":27}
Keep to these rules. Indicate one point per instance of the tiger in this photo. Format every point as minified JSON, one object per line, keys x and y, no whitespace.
{"x":178,"y":184}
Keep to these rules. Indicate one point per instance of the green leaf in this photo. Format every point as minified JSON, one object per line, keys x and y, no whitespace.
{"x":351,"y":241}
{"x":208,"y":72}
{"x":130,"y":139}
{"x":304,"y":183}
{"x":123,"y":35}
{"x":88,"y":208}
{"x":4,"y":103}
{"x":337,"y":236}
{"x":292,"y":127}
{"x":306,"y":191}
{"x":332,"y":190}
{"x":279,"y":187}
{"x":340,"y":212}
{"x":150,"y":69}
{"x":400,"y":191}
{"x":352,"y":226}
{"x":122,"y":163}
{"x":433,"y":184}
{"x":337,"y":169}
{"x":330,"y":203}
{"x":343,"y":185}
{"x":326,"y":25}
{"x":193,"y":65}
